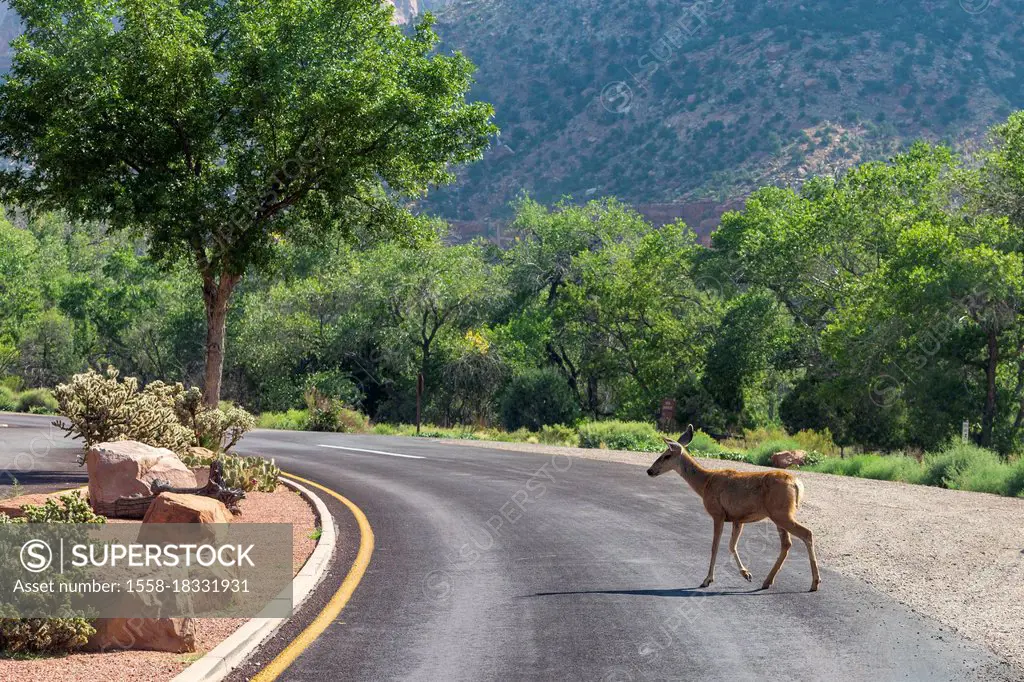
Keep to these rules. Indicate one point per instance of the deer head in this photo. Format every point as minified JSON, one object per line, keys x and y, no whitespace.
{"x":670,"y":460}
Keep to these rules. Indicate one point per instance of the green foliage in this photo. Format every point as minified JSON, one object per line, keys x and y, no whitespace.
{"x":217,"y":150}
{"x":959,"y":464}
{"x":8,"y":399}
{"x":704,"y":445}
{"x":49,"y":635}
{"x":762,"y":453}
{"x":1015,"y":479}
{"x":36,"y":400}
{"x":620,"y":435}
{"x":101,"y":408}
{"x":291,"y":420}
{"x":328,"y":414}
{"x":44,"y":635}
{"x":816,"y":442}
{"x":538,"y":398}
{"x":218,"y":428}
{"x":558,"y":434}
{"x":878,"y":467}
{"x":71,"y":508}
{"x":248,"y":473}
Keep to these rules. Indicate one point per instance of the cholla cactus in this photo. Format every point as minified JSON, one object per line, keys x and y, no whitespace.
{"x":217,"y":429}
{"x":102,"y":409}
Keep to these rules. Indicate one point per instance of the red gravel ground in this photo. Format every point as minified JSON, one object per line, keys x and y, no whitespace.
{"x":281,"y":506}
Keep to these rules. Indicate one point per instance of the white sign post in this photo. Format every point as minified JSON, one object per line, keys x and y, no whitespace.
{"x":966,"y":430}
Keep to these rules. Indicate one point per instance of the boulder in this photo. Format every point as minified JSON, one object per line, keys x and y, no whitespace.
{"x":203,"y":453}
{"x":182,"y":508}
{"x":127,"y":468}
{"x":176,"y":635}
{"x":12,"y":507}
{"x":788,"y":458}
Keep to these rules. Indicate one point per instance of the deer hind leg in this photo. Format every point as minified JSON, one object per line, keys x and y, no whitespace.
{"x":786,"y":543}
{"x":737,"y":530}
{"x":719,"y":525}
{"x":804,"y":533}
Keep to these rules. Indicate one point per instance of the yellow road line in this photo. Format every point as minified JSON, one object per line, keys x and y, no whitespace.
{"x":333,"y":608}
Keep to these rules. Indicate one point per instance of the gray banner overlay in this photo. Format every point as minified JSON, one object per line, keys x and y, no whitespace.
{"x":128,"y":570}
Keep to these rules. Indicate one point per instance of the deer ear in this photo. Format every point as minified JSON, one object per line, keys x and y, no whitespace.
{"x":687,"y":436}
{"x":672,"y":445}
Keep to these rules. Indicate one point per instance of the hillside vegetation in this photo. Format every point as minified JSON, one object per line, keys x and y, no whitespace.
{"x":660,"y":102}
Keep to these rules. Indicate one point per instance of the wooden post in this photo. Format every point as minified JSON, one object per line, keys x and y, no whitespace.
{"x":419,"y":400}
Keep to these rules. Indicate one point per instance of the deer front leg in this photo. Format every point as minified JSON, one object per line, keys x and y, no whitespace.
{"x":719,"y":525}
{"x":737,"y":530}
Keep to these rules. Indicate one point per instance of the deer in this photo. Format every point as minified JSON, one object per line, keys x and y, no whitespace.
{"x":741,"y":497}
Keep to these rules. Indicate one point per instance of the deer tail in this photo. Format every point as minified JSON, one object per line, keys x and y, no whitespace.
{"x":799,"y":491}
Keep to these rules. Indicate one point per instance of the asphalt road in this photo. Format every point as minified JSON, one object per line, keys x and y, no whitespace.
{"x":499,"y":565}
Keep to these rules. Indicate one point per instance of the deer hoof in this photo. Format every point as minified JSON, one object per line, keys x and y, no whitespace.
{"x":814,"y":587}
{"x":707,"y":581}
{"x":747,"y":575}
{"x":765,"y":585}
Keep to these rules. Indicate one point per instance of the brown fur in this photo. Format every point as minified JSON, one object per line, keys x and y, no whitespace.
{"x":741,"y":497}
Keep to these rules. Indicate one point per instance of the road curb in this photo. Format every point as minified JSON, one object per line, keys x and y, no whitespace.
{"x":232,"y":652}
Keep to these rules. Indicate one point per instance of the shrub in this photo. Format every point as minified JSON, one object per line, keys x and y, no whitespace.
{"x":558,"y":434}
{"x":383,"y":429}
{"x":70,"y":508}
{"x":37,"y":400}
{"x":8,"y":399}
{"x":328,"y":414}
{"x":877,"y":467}
{"x":1015,"y":479}
{"x":537,"y":398}
{"x":218,"y":429}
{"x":762,"y":454}
{"x":959,"y":463}
{"x":704,"y":444}
{"x":292,"y":420}
{"x":44,"y":635}
{"x":817,"y":441}
{"x":619,"y":435}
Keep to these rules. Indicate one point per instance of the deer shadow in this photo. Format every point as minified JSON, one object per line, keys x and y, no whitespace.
{"x":674,"y":592}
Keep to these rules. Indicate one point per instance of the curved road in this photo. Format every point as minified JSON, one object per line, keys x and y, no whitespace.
{"x":500,"y":565}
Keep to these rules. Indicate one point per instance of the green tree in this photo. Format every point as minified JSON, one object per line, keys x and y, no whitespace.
{"x":215,"y":129}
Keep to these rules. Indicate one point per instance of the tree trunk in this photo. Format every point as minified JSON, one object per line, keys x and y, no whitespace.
{"x":988,"y":417}
{"x":216,"y":295}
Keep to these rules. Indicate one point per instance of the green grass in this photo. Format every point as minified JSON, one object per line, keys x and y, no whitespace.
{"x":762,"y":454}
{"x":619,"y":435}
{"x":292,"y":420}
{"x":958,"y":467}
{"x":877,"y":467}
{"x":705,"y":444}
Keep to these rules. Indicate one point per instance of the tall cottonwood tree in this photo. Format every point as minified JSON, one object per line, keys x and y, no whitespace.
{"x":217,"y":128}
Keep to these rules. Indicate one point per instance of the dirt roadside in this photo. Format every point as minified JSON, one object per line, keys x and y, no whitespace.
{"x":957,"y":557}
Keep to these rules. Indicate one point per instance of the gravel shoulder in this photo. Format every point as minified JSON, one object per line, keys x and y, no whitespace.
{"x":957,"y":557}
{"x":281,"y":506}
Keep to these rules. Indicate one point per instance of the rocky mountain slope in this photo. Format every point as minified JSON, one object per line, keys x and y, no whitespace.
{"x":671,"y":106}
{"x":406,"y":11}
